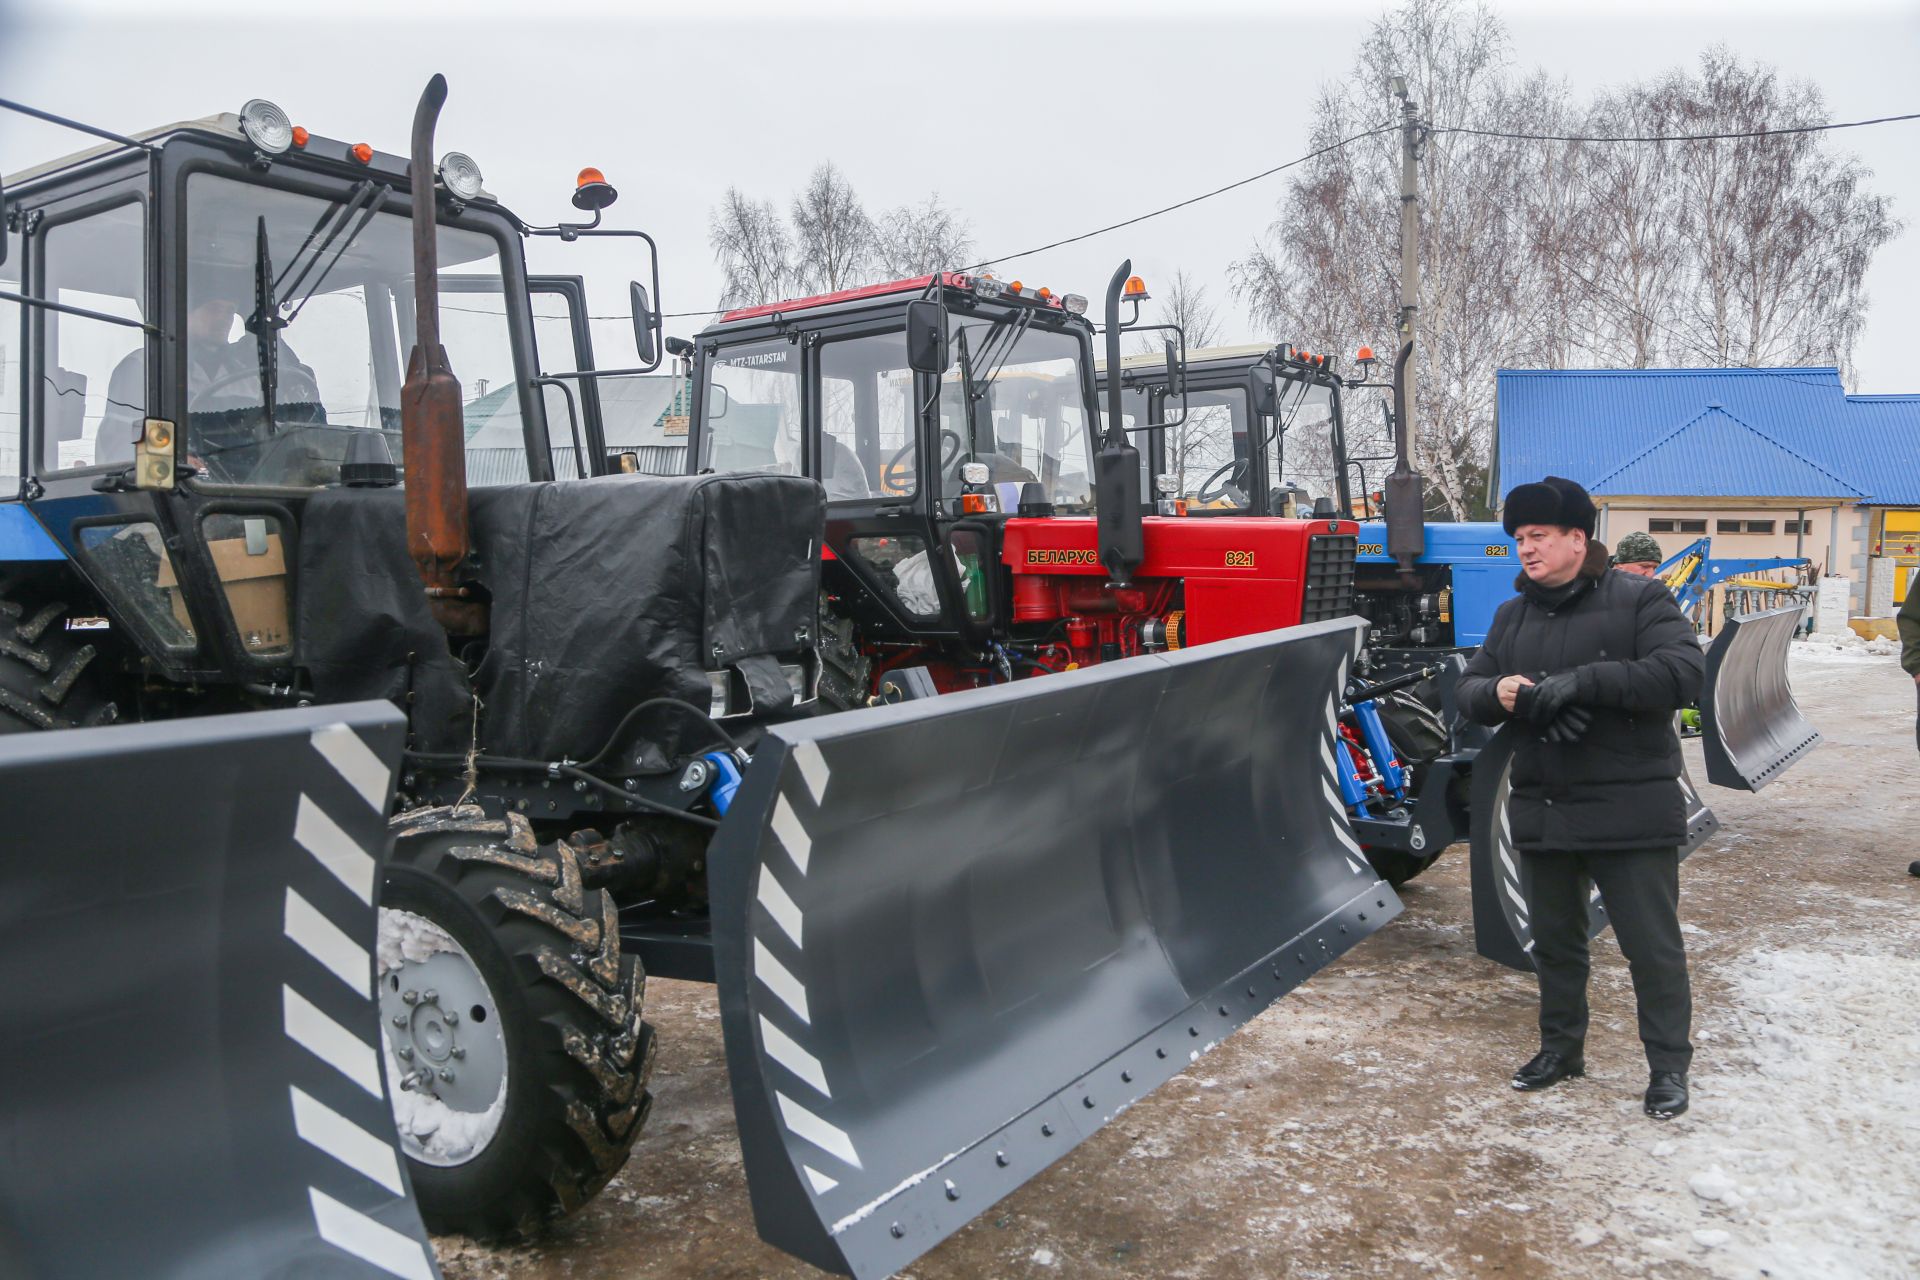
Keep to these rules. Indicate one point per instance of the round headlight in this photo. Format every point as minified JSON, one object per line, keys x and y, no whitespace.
{"x":974,"y":473}
{"x":1166,"y":485}
{"x":266,"y":126}
{"x":460,"y":175}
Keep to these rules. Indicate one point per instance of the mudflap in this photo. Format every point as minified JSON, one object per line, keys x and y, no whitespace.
{"x":1751,"y":729}
{"x":1498,"y":873}
{"x":190,"y":1080}
{"x":956,"y":936}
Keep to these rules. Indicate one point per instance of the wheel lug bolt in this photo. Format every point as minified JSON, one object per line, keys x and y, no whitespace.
{"x":431,"y":997}
{"x":404,"y":1054}
{"x":446,"y":1075}
{"x":399,"y":1019}
{"x":458,"y":1052}
{"x":410,"y":997}
{"x":453,"y":1019}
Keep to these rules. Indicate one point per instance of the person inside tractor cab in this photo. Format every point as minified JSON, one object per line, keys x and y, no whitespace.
{"x":227,"y":426}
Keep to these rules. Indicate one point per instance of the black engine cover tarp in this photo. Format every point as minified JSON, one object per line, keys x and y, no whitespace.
{"x":621,"y":588}
{"x":362,"y":626}
{"x":605,"y":592}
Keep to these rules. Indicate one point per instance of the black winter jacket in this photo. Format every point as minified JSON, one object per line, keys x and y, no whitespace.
{"x":1638,"y":663}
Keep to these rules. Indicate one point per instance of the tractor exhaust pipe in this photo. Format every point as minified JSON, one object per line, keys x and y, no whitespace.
{"x":432,"y":437}
{"x":1116,"y":467}
{"x":1405,"y":496}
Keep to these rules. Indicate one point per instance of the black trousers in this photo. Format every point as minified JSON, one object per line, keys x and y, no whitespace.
{"x":1641,"y":891}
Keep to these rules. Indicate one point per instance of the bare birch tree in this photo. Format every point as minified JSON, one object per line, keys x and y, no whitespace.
{"x":832,"y":234}
{"x":751,"y":244}
{"x":1553,"y":253}
{"x":918,"y":240}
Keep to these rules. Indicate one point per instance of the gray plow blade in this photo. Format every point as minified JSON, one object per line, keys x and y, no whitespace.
{"x":1750,"y":727}
{"x":190,"y":1079}
{"x":1501,"y":931}
{"x":956,"y":936}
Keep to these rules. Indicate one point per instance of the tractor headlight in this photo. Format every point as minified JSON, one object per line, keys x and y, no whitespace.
{"x":1074,"y":303}
{"x":1166,"y":485}
{"x":973,"y":473}
{"x":460,"y":175}
{"x":266,"y":126}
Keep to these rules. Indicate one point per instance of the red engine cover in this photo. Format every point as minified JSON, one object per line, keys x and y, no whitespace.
{"x":1241,"y":574}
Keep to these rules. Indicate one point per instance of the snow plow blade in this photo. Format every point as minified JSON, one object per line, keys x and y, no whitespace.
{"x":1501,"y":931}
{"x":957,"y":935}
{"x":190,"y":1078}
{"x":1751,"y":729}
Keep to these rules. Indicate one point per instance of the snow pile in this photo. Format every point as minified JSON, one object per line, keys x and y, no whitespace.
{"x":406,"y":937}
{"x":1805,"y":1150}
{"x":1843,"y":648}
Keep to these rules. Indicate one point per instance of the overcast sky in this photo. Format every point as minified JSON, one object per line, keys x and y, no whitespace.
{"x":1035,"y":120}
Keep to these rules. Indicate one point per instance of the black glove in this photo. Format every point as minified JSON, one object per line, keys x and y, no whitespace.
{"x":1570,"y":725}
{"x":1541,"y":703}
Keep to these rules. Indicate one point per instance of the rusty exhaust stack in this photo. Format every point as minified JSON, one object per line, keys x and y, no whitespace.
{"x":432,"y":434}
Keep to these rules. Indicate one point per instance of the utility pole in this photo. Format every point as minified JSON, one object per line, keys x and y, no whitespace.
{"x":1405,"y":489}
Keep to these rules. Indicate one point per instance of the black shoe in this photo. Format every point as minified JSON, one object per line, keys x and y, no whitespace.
{"x":1546,"y":1069}
{"x":1666,"y":1094}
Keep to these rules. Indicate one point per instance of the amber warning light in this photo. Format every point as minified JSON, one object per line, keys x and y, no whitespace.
{"x":1136,"y":290}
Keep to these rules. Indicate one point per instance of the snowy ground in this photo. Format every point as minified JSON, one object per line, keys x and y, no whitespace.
{"x":1363,"y":1126}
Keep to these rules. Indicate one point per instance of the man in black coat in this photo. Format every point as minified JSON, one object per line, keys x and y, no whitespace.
{"x":1593,"y":665}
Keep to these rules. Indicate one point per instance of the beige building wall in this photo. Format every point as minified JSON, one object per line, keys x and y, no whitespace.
{"x":1622,"y":515}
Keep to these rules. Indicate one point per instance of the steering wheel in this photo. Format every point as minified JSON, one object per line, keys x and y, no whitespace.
{"x":889,"y":472}
{"x":1219,"y":484}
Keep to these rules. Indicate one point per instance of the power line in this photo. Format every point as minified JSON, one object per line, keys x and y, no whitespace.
{"x":1388,"y":128}
{"x":1674,"y":137}
{"x":1205,"y":195}
{"x":1115,"y":226}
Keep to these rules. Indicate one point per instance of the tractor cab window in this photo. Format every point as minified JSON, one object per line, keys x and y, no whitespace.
{"x":92,"y":374}
{"x":299,"y":321}
{"x":1015,"y":400}
{"x":1303,"y":456}
{"x":1207,"y":454}
{"x":751,"y":419}
{"x":867,"y":441}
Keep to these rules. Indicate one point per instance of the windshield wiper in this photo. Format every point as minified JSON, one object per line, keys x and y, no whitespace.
{"x":265,"y":323}
{"x":366,"y":201}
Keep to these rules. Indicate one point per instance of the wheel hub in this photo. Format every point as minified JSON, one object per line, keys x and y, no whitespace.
{"x":447,"y":1054}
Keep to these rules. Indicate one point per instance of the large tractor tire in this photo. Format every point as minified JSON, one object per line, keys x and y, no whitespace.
{"x":46,"y":681}
{"x":514,"y":1039}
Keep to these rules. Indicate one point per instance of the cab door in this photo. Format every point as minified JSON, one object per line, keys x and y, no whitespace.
{"x":874,"y":446}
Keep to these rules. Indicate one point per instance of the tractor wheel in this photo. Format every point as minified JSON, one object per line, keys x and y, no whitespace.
{"x":515,"y":1050}
{"x":45,"y":681}
{"x":1396,"y":866}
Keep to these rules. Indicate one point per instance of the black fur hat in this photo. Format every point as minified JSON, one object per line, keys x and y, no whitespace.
{"x":1555,"y":500}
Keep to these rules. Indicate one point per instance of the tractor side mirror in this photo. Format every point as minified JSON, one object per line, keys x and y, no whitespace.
{"x":1176,"y":372}
{"x":927,"y":350}
{"x":1261,"y":391}
{"x":646,"y":323}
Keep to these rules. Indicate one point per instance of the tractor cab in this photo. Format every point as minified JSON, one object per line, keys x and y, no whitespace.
{"x":910,"y":458}
{"x":1263,"y":433}
{"x":208,"y":324}
{"x":956,"y":427}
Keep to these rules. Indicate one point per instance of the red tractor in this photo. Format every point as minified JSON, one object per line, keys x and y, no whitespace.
{"x":981,"y":526}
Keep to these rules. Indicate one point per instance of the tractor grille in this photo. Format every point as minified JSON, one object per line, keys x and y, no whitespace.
{"x":1329,"y":587}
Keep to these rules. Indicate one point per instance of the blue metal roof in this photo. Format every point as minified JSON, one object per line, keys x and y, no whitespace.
{"x":1591,"y":424}
{"x":1743,"y":461}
